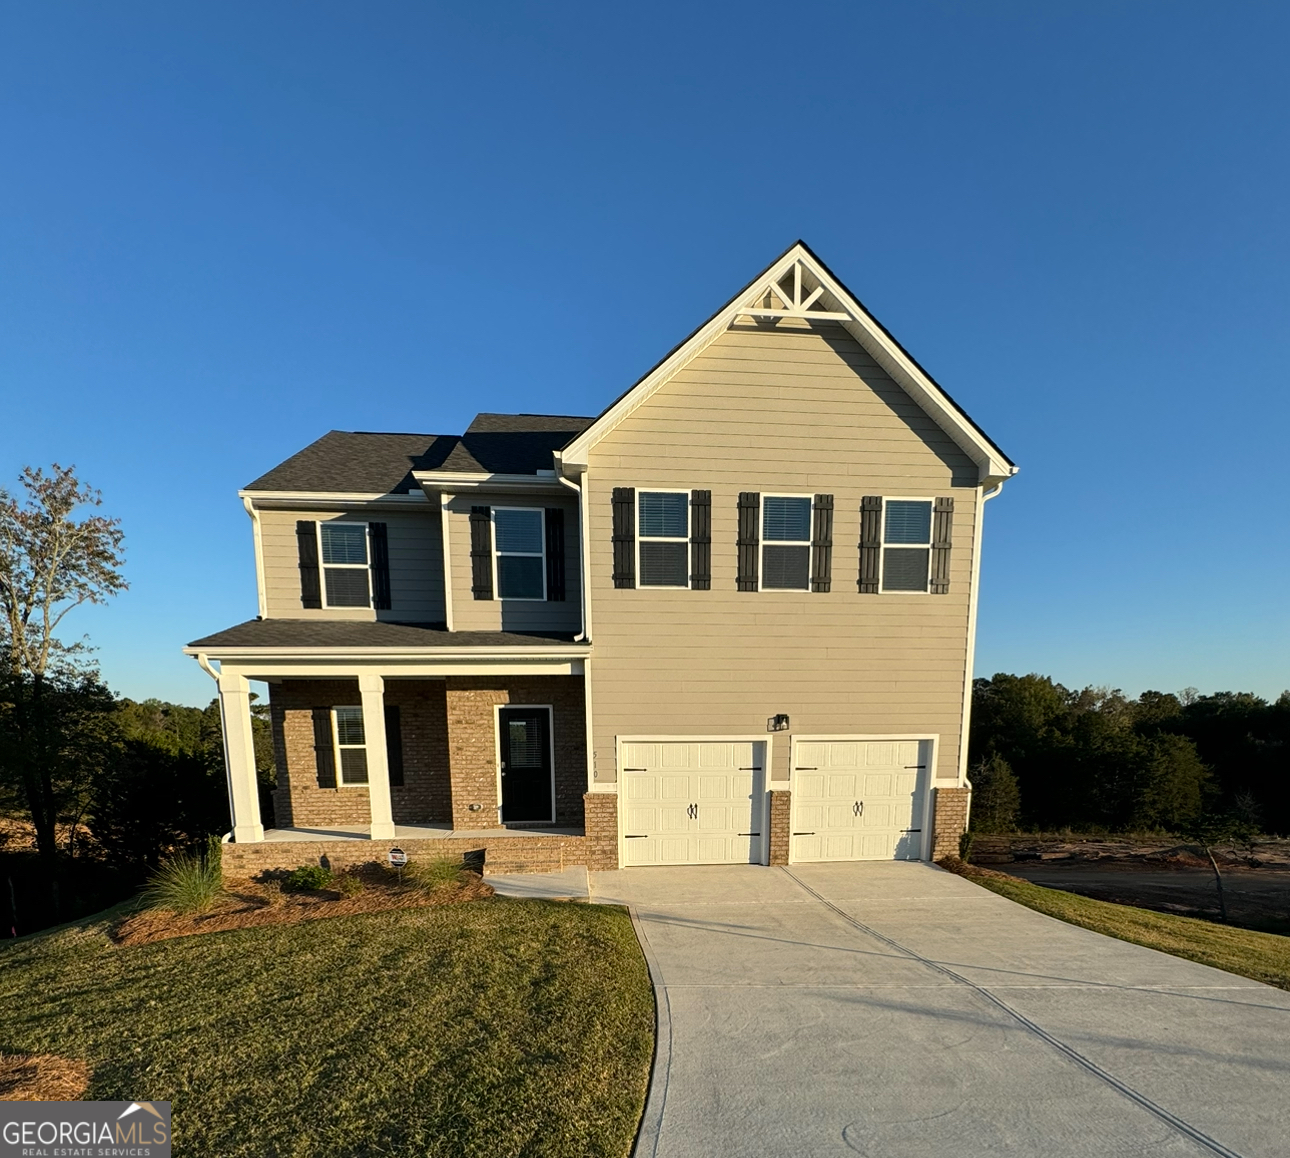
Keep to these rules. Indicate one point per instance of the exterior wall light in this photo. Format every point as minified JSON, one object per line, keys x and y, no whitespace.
{"x":777,"y":723}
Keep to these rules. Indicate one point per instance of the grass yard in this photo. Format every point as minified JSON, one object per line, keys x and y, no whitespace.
{"x":1261,"y":956}
{"x":493,"y":1029}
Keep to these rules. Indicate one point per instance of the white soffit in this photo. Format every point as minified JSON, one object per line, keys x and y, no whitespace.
{"x":799,"y":288}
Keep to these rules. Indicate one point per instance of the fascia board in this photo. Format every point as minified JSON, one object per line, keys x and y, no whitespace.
{"x":382,"y":653}
{"x":264,"y":500}
{"x":458,"y":481}
{"x":861,"y":325}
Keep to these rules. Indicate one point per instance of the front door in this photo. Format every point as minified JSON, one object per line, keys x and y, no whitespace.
{"x":528,"y":789}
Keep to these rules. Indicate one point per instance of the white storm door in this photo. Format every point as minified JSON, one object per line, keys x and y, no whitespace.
{"x":858,"y":799}
{"x":691,"y":802}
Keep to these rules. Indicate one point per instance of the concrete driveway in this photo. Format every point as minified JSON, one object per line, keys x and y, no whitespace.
{"x":897,"y":1011}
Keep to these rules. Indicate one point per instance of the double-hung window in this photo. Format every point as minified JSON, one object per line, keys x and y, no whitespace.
{"x":906,"y":544}
{"x":663,"y":539}
{"x":345,"y":564}
{"x":519,"y":547}
{"x":351,"y":745}
{"x":785,"y":543}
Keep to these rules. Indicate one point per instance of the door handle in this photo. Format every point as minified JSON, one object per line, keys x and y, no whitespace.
{"x":857,"y":809}
{"x":693,"y":812}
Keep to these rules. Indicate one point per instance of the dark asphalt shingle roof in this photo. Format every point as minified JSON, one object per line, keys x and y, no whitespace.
{"x":374,"y":463}
{"x":324,"y":633}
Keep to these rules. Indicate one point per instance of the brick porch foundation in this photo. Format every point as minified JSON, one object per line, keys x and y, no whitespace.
{"x":949,"y":820}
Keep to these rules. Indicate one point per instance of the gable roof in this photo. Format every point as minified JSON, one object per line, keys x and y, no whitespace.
{"x":800,"y":288}
{"x":365,"y":462}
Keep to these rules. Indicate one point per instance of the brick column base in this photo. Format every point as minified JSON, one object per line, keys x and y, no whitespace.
{"x":600,"y":812}
{"x":949,"y":813}
{"x":780,"y":812}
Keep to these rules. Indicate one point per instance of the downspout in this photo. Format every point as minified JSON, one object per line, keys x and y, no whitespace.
{"x":970,"y":658}
{"x":256,"y":536}
{"x":205,"y":665}
{"x":584,"y":593}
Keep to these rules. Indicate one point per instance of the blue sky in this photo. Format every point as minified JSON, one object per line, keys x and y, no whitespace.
{"x":226,"y":229}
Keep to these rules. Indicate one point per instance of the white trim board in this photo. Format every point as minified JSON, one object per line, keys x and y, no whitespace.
{"x":839,"y":307}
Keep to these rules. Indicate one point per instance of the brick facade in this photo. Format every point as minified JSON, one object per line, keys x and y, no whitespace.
{"x":448,"y":729}
{"x":780,"y":813}
{"x":472,"y":742}
{"x":949,"y":820}
{"x":601,"y":810}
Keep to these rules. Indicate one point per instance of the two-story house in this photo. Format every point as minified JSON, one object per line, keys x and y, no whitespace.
{"x":729,"y":619}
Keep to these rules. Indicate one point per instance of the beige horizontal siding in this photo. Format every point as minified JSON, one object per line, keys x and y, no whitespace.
{"x":788,"y":413}
{"x":416,"y":564}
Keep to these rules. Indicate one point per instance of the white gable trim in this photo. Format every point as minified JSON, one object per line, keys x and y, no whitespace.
{"x":765,"y":299}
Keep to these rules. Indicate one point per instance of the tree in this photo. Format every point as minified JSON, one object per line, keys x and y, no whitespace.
{"x":50,"y":563}
{"x":996,"y":799}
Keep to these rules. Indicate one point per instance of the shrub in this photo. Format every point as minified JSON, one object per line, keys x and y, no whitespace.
{"x":432,"y":874}
{"x":348,"y":884}
{"x":306,"y":878}
{"x":184,"y":884}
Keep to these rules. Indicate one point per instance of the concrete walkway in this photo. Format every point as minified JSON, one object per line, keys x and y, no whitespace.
{"x":896,"y":1011}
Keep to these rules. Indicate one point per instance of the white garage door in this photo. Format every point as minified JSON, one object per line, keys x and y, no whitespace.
{"x":691,"y":802}
{"x":858,"y":799}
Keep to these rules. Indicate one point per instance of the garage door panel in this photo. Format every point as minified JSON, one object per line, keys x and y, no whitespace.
{"x":887,"y":777}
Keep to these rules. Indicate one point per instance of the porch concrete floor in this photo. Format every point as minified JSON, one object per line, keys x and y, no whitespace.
{"x":411,"y":832}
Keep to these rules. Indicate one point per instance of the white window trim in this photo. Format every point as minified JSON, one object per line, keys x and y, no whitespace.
{"x":762,"y":542}
{"x":492,"y":528}
{"x":882,"y":541}
{"x":337,"y":746}
{"x":323,"y":566}
{"x":689,"y":531}
{"x":497,"y":753}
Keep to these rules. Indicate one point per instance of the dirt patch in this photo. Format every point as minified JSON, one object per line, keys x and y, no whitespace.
{"x":42,"y":1077}
{"x":251,"y":903}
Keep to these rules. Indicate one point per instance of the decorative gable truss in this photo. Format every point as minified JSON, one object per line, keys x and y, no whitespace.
{"x":799,"y":289}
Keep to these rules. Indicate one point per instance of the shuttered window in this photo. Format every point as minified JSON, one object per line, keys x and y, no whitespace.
{"x":324,"y":748}
{"x":906,"y":544}
{"x":481,"y":552}
{"x":701,"y":540}
{"x":344,"y":564}
{"x":351,"y":745}
{"x":749,"y":513}
{"x":663,"y":538}
{"x":786,"y":543}
{"x":307,"y":552}
{"x":394,"y":745}
{"x":822,"y":544}
{"x":378,"y":543}
{"x":942,"y":529}
{"x":519,"y":540}
{"x":555,"y":554}
{"x":624,"y":500}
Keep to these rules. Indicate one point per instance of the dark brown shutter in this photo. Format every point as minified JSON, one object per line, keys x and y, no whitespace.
{"x":380,"y":547}
{"x":701,"y":540}
{"x":555,"y":555}
{"x":394,"y":745}
{"x":307,"y":550}
{"x":481,"y":552}
{"x":324,"y":754}
{"x":822,"y":544}
{"x":624,"y":536}
{"x":749,"y":511}
{"x":870,"y":544}
{"x":942,"y":525}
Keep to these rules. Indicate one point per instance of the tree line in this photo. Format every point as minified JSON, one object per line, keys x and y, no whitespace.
{"x":1044,"y":757}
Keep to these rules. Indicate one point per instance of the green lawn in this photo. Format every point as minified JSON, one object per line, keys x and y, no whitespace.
{"x":486,"y":1029}
{"x":1261,"y":956}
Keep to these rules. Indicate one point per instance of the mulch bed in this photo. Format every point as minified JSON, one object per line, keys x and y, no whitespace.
{"x":42,"y":1077}
{"x":252,"y":903}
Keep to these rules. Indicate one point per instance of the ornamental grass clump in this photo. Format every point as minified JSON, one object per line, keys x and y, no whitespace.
{"x":185,"y":884}
{"x":432,"y":875}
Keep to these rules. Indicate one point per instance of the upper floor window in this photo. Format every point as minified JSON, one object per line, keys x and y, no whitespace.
{"x":786,"y":543}
{"x":906,"y":544}
{"x":351,"y":745}
{"x":345,"y":564}
{"x":519,"y":546}
{"x":663,"y":539}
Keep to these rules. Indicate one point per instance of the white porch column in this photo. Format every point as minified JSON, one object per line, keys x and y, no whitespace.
{"x":372,"y":689}
{"x":239,"y":757}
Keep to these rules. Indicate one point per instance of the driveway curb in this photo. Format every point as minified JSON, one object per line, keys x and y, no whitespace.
{"x":647,"y":1135}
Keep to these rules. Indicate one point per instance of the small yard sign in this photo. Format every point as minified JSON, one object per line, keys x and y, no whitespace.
{"x":398,"y":858}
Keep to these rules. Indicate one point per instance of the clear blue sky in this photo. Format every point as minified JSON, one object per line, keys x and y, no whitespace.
{"x":228,"y":228}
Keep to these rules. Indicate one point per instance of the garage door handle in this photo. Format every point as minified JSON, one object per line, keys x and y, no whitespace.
{"x":803,"y":834}
{"x":754,"y":768}
{"x":805,"y":769}
{"x":750,"y":834}
{"x":858,"y":808}
{"x":630,"y":836}
{"x":693,"y":812}
{"x":635,"y":769}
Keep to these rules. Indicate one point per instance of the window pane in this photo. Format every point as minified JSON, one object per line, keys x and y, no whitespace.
{"x":353,"y":765}
{"x":785,"y":519}
{"x":346,"y":586}
{"x":518,"y":531}
{"x":519,"y":577}
{"x":349,"y":726}
{"x":344,"y":543}
{"x":664,"y":515}
{"x":908,"y":522}
{"x":904,"y":568}
{"x":525,"y":738}
{"x":785,"y":568}
{"x":664,"y":564}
